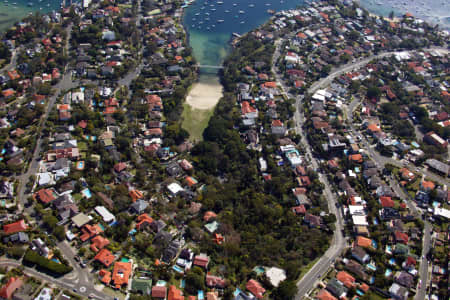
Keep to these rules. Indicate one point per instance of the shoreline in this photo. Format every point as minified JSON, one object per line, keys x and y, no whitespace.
{"x":203,"y":95}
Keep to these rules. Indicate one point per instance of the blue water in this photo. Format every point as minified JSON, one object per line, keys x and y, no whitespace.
{"x":177,"y":269}
{"x":433,"y":11}
{"x":209,"y":37}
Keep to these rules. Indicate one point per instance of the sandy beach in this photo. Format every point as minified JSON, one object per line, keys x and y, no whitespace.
{"x":204,"y":95}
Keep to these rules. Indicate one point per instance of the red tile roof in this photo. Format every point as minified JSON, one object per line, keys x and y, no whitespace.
{"x":105,"y":257}
{"x":98,"y":243}
{"x":121,"y":273}
{"x":89,"y":231}
{"x":105,"y":276}
{"x":209,"y":215}
{"x":299,"y":210}
{"x":45,"y":195}
{"x":401,"y":237}
{"x":10,"y":287}
{"x":201,"y":261}
{"x":325,"y":295}
{"x":386,"y":201}
{"x":347,"y":279}
{"x":255,"y":288}
{"x":15,"y":227}
{"x":174,"y":294}
{"x":143,"y":220}
{"x":363,"y":242}
{"x":159,"y":292}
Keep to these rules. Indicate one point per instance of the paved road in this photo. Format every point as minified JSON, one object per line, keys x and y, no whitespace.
{"x":338,"y":242}
{"x":61,"y":282}
{"x":424,"y":264}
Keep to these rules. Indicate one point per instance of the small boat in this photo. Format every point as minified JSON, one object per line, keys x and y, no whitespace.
{"x":213,"y":25}
{"x":197,"y":14}
{"x":251,"y":5}
{"x":234,"y":4}
{"x":220,"y":21}
{"x":219,"y":2}
{"x":207,"y":19}
{"x":270,"y":11}
{"x":207,"y":13}
{"x":227,"y":11}
{"x":29,"y":4}
{"x":242,"y":22}
{"x":242,"y":12}
{"x":213,"y":9}
{"x":268,"y":4}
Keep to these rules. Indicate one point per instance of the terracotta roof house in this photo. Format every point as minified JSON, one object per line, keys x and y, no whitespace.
{"x":119,"y":167}
{"x":201,"y":260}
{"x":144,"y":220}
{"x":255,"y":288}
{"x":174,"y":294}
{"x":159,"y":292}
{"x":135,"y":195}
{"x":363,"y":242}
{"x":98,"y":242}
{"x":7,"y":291}
{"x":347,"y":279}
{"x":215,"y":281}
{"x":323,"y":294}
{"x":386,"y":201}
{"x":105,"y":276}
{"x":356,"y":158}
{"x":15,"y":227}
{"x":45,"y":195}
{"x":401,"y":237}
{"x":105,"y":257}
{"x":299,"y":210}
{"x":121,"y":273}
{"x":209,"y":215}
{"x":427,"y":185}
{"x":89,"y":231}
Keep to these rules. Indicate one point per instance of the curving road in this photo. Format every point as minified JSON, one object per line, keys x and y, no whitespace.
{"x":307,"y":282}
{"x":338,"y":242}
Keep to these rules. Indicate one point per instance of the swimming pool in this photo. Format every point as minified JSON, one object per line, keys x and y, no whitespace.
{"x":182,"y":283}
{"x":132,"y":231}
{"x":87,"y":193}
{"x":392,"y":262}
{"x":359,"y":292}
{"x":177,"y":269}
{"x":371,"y":267}
{"x":387,"y":273}
{"x":237,"y":292}
{"x":80,"y":165}
{"x":125,"y":259}
{"x":200,"y":295}
{"x":374,"y":244}
{"x":258,"y":270}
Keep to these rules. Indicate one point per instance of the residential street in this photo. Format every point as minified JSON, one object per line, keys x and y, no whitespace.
{"x":338,"y":243}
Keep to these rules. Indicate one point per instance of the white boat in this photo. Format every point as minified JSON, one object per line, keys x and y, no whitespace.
{"x":219,"y":2}
{"x":227,"y":11}
{"x":220,"y":21}
{"x":213,"y":9}
{"x":242,"y":22}
{"x":242,"y":12}
{"x":197,"y":14}
{"x":251,"y":5}
{"x":234,"y":4}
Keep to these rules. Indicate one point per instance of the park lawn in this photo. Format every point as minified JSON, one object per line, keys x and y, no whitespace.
{"x":195,"y":121}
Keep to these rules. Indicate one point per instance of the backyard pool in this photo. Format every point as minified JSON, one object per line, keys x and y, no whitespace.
{"x":200,"y":295}
{"x":387,"y":273}
{"x":125,"y":259}
{"x":87,"y":193}
{"x":177,"y":269}
{"x":80,"y":165}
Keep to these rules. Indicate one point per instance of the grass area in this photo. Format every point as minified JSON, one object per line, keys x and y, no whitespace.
{"x":195,"y":121}
{"x":82,"y":146}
